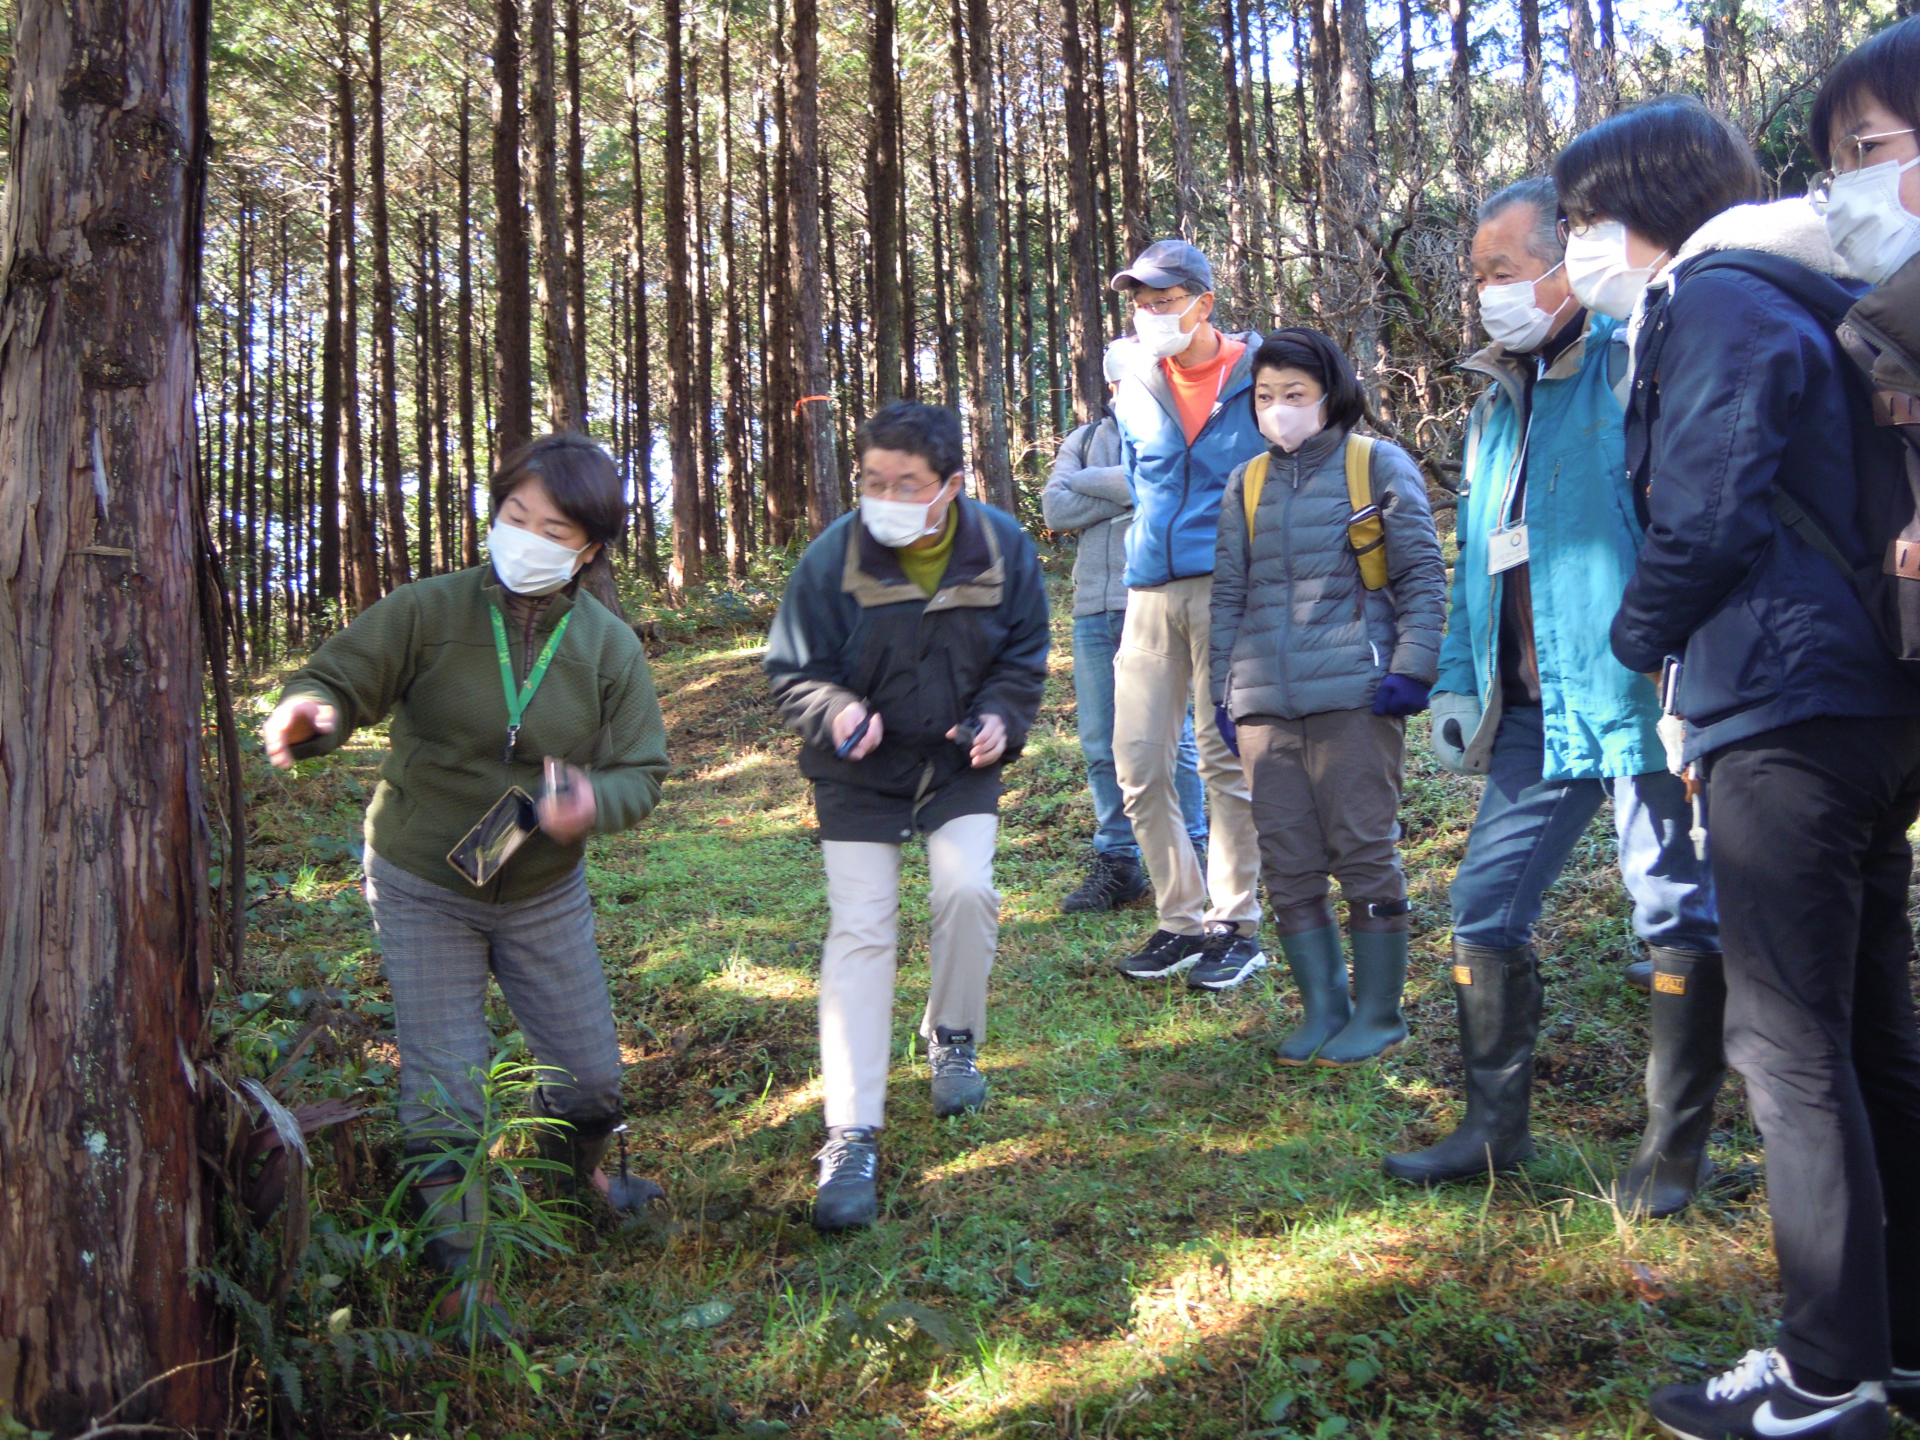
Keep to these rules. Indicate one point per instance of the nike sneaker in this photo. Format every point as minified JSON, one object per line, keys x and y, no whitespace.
{"x":1757,"y":1400}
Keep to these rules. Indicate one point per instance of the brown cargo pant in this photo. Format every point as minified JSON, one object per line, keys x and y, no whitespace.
{"x":1326,"y":802}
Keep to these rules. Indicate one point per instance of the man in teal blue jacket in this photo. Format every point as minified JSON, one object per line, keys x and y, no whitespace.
{"x":1530,"y":696}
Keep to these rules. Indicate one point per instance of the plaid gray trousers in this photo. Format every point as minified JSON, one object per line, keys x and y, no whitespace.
{"x":438,"y":948}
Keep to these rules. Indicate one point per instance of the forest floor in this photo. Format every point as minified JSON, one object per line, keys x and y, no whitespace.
{"x":1152,"y":1230}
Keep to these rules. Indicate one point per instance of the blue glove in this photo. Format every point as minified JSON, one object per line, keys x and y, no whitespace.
{"x":1398,"y":695}
{"x":1223,"y":722}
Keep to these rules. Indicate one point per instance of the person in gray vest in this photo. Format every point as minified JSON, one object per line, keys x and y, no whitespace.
{"x":1087,"y":496}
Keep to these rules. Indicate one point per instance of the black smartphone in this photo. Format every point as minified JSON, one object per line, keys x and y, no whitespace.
{"x":845,"y":747}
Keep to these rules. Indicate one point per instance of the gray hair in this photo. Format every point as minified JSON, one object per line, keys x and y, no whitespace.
{"x":1543,"y":241}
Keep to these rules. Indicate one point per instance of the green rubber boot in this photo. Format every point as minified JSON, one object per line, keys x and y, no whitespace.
{"x":1319,"y":969}
{"x":1379,"y":977}
{"x":1684,"y":1072}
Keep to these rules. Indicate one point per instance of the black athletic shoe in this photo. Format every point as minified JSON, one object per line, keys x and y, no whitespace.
{"x":1903,"y":1391}
{"x":958,"y":1085}
{"x":848,"y":1198}
{"x":1112,"y":881}
{"x":1165,"y":954}
{"x":1757,"y":1400}
{"x":1229,"y":958}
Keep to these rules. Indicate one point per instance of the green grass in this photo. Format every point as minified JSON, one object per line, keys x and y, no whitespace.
{"x":1151,"y":1231}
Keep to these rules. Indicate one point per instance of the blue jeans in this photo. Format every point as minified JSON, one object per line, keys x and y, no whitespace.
{"x":1527,"y":827}
{"x":1096,"y":639}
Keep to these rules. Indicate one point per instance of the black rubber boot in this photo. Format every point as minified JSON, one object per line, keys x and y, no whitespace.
{"x":1497,"y":994}
{"x":1379,"y":979}
{"x":1685,"y":1068}
{"x":1319,"y":969}
{"x":1639,"y":974}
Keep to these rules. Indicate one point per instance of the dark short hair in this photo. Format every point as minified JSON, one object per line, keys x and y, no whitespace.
{"x":1662,"y":169}
{"x":1886,"y":68}
{"x":1539,"y":192}
{"x":1299,"y":348}
{"x":579,"y":476}
{"x":930,"y":431}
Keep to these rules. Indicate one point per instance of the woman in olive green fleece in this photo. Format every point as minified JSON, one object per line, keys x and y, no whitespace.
{"x":490,"y":673}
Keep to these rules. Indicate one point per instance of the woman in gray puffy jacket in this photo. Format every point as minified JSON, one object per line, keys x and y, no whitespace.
{"x":1327,"y":612}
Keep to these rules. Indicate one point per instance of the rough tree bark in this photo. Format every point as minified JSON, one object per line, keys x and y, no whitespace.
{"x":685,"y":567}
{"x":810,"y":355}
{"x":549,"y":235}
{"x":734,"y":392}
{"x":385,"y":364}
{"x":469,"y":525}
{"x":1085,"y":331}
{"x":884,"y":181}
{"x":362,"y":558}
{"x":105,"y":941}
{"x":1133,"y":190}
{"x":1173,"y":16}
{"x":989,"y":401}
{"x":576,"y":212}
{"x":513,"y":306}
{"x":1532,"y":81}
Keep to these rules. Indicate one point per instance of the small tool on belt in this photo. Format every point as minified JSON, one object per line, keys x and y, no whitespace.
{"x":1690,"y":774}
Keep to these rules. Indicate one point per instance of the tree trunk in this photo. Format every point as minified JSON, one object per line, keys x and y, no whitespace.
{"x":1085,"y":333}
{"x":685,"y":569}
{"x":360,"y":547}
{"x":786,"y":474}
{"x":988,"y":401}
{"x":1533,"y":99}
{"x":1588,"y":83}
{"x":733,"y":393}
{"x":1107,"y":260}
{"x":386,"y":369}
{"x":1460,"y":146}
{"x":549,"y":236}
{"x":1359,"y":194}
{"x":884,"y":181}
{"x":803,"y":178}
{"x":576,"y":214}
{"x":332,"y":426}
{"x":512,"y":424}
{"x":104,"y":910}
{"x":1133,"y":189}
{"x":423,"y":469}
{"x":1239,"y":266}
{"x":641,"y":441}
{"x":699,"y":246}
{"x":469,"y":522}
{"x":1173,"y":13}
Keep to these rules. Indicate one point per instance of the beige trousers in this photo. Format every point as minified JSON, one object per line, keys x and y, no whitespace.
{"x":856,"y":968}
{"x":1163,"y":662}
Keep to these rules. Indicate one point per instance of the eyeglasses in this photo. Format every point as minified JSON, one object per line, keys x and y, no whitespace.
{"x":909,"y":493}
{"x":1848,"y":156}
{"x":1566,"y":229}
{"x":1167,"y":305}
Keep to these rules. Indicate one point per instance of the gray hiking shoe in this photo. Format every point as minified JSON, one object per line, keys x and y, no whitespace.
{"x":848,"y":1197}
{"x":958,"y":1085}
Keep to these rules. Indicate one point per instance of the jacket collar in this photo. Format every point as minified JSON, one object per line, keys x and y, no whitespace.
{"x":1791,"y":229}
{"x":1891,"y":311}
{"x":558,"y":603}
{"x":1154,"y":376}
{"x":976,"y":572}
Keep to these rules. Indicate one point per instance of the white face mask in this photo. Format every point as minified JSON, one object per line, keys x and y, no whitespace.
{"x":896,"y":523}
{"x":1160,"y":335}
{"x":1512,"y":315}
{"x":1602,"y":277}
{"x":1874,"y":233}
{"x":530,"y":564}
{"x":1291,"y":426}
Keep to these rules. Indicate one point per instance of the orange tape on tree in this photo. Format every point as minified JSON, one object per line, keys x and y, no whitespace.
{"x":806,"y":399}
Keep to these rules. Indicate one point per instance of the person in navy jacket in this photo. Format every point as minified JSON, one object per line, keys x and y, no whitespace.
{"x":1740,"y":446}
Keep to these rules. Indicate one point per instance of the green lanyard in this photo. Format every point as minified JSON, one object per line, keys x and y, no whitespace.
{"x":517,"y":702}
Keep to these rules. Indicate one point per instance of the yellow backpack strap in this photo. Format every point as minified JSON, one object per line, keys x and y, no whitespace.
{"x":1367,"y":530}
{"x":1251,"y":484}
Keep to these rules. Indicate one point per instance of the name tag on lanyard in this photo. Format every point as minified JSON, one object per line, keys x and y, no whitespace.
{"x":1506,"y":549}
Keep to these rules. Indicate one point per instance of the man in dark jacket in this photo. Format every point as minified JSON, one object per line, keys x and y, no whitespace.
{"x":909,"y":654}
{"x":1742,"y":416}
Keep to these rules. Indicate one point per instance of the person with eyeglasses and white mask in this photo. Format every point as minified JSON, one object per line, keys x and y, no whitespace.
{"x":909,"y":655}
{"x":1530,"y":696}
{"x":1185,"y":424}
{"x":1747,"y":448}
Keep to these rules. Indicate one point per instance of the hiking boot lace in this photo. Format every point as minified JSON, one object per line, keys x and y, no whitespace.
{"x":847,"y":1159}
{"x":953,"y":1061}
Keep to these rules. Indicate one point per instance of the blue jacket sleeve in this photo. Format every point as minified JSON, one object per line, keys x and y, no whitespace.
{"x":1731,"y":376}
